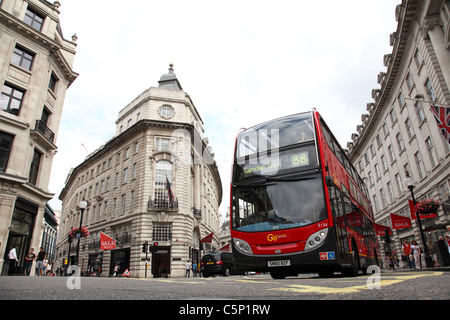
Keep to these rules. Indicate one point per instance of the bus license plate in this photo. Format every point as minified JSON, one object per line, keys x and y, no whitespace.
{"x":279,"y":263}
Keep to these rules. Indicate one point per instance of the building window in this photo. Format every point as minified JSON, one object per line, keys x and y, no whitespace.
{"x":418,"y":58}
{"x":400,"y":144}
{"x":430,"y":90}
{"x":393,"y":116}
{"x":398,"y":183}
{"x":401,"y":100}
{"x":391,"y":153}
{"x":162,"y":232}
{"x":409,"y":81}
{"x":419,"y":164}
{"x":419,"y":111}
{"x":163,"y":172}
{"x":22,"y":58}
{"x":166,"y":111}
{"x":5,"y":149}
{"x":52,"y":82}
{"x":11,"y":99}
{"x":409,"y":128}
{"x":33,"y":19}
{"x":165,"y":144}
{"x":125,"y":175}
{"x":431,"y":152}
{"x":34,"y":168}
{"x":383,"y":163}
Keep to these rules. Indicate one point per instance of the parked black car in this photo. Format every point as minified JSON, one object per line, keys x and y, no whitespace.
{"x":218,"y":262}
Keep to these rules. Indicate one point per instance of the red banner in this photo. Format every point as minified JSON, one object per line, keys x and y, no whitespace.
{"x":208,"y":238}
{"x":106,"y":242}
{"x":400,"y":222}
{"x":380,"y":230}
{"x":225,"y":248}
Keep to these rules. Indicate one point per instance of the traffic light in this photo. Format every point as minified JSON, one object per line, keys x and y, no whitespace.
{"x":145,"y":247}
{"x":154,"y":247}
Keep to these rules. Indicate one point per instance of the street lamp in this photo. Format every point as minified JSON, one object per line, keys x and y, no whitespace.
{"x":82,"y":205}
{"x":409,"y":182}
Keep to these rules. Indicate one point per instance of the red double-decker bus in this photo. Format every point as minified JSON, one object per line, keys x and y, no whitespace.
{"x":297,"y":203}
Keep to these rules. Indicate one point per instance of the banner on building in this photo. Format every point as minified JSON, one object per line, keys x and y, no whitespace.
{"x":208,"y":238}
{"x":380,"y":230}
{"x":225,"y":248}
{"x":400,"y":222}
{"x":106,"y":242}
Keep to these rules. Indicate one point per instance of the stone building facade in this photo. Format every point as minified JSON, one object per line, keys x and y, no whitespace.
{"x":159,"y":146}
{"x":399,"y":133}
{"x":36,"y":70}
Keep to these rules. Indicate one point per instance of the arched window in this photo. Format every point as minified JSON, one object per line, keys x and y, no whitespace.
{"x":163,"y":174}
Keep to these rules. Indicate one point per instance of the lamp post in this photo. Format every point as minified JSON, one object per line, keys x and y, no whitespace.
{"x":409,"y":182}
{"x":82,"y":205}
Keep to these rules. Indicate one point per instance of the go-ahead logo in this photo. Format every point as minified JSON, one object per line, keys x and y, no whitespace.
{"x":273,"y":237}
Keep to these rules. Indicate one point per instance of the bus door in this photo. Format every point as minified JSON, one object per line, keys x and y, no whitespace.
{"x":339,"y":221}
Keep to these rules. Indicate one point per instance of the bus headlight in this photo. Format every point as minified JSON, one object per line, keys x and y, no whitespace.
{"x":316,"y":239}
{"x":242,"y":246}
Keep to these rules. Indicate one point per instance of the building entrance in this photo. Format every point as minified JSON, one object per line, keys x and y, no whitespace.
{"x":161,"y":262}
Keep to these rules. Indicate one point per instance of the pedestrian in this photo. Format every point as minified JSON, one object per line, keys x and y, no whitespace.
{"x":29,"y":258}
{"x":406,"y":253}
{"x":44,"y":265}
{"x":40,"y":262}
{"x":194,"y":269}
{"x":416,"y":252}
{"x":12,"y":257}
{"x":188,"y":269}
{"x":97,"y":267}
{"x":49,"y":268}
{"x":447,"y":238}
{"x":432,"y":252}
{"x":116,"y":269}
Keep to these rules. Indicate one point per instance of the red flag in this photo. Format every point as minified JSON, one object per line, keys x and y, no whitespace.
{"x":106,"y":242}
{"x":442,"y":116}
{"x":208,"y":238}
{"x":400,"y":222}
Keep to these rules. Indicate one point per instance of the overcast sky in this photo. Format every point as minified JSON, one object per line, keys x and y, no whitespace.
{"x":242,"y":63}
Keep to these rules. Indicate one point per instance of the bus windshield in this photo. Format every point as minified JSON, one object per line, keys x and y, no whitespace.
{"x":274,"y":204}
{"x":276,"y":134}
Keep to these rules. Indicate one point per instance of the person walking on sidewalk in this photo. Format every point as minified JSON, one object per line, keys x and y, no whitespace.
{"x":416,"y":252}
{"x":12,"y":257}
{"x":406,"y":252}
{"x":40,"y":262}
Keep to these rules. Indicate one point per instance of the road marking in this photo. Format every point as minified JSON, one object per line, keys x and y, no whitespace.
{"x":353,"y":289}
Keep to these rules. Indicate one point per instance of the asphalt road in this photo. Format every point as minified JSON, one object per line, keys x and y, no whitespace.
{"x":406,"y":285}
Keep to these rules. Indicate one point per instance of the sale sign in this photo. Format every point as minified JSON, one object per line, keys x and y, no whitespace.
{"x":106,"y":242}
{"x":400,"y":222}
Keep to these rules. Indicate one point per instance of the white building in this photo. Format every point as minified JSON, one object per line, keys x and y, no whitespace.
{"x":159,"y":139}
{"x":36,"y":70}
{"x":399,"y":133}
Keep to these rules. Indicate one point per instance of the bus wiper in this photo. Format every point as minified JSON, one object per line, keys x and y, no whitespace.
{"x":253,"y":183}
{"x":290,"y":179}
